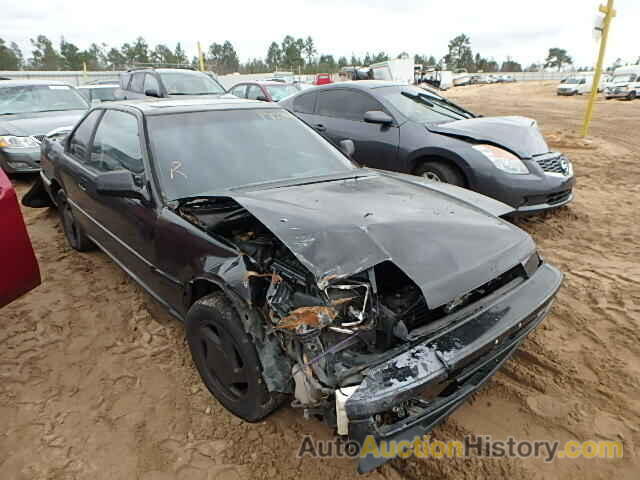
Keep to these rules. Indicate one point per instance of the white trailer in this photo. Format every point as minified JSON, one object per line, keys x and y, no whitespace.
{"x":398,"y":70}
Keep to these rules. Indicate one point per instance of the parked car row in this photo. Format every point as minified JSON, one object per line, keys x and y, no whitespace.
{"x":300,"y":271}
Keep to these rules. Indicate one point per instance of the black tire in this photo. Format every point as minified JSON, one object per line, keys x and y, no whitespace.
{"x":437,"y":171}
{"x":632,"y":95}
{"x":226,"y":358}
{"x":76,"y":237}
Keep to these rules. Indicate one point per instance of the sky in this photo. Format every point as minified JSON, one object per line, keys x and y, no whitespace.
{"x":522,"y":29}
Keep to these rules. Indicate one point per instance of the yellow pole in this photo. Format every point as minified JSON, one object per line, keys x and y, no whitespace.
{"x":84,"y":68}
{"x":200,"y":58}
{"x":609,"y":13}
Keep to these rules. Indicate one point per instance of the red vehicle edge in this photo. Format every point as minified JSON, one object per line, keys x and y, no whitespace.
{"x":19,"y":271}
{"x":322,"y":79}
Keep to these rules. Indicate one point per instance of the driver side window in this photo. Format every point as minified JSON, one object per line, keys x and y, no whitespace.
{"x":79,"y":142}
{"x":346,"y":104}
{"x":116,"y":145}
{"x":254,"y":92}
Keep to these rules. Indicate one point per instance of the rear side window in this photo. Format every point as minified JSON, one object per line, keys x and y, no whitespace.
{"x":117,"y":143}
{"x":79,"y":142}
{"x":136,"y":83}
{"x":305,"y":103}
{"x":348,"y":104}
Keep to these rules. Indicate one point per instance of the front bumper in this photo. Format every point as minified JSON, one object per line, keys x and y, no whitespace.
{"x":527,"y":194}
{"x":439,"y":374}
{"x":22,"y":160}
{"x":567,"y":92}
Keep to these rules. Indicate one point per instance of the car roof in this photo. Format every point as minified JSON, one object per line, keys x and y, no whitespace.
{"x":22,"y":83}
{"x":160,"y":106}
{"x":361,"y":85}
{"x":98,"y":86}
{"x":188,"y":71}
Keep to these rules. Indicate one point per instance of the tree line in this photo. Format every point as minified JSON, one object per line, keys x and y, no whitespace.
{"x":299,"y":55}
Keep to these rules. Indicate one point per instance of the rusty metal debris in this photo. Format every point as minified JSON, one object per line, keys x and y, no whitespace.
{"x":316,"y":317}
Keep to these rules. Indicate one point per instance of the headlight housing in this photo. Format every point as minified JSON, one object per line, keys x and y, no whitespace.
{"x":10,"y":141}
{"x":503,"y":160}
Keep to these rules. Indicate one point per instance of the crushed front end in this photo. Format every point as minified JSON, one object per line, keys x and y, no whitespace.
{"x":370,"y":352}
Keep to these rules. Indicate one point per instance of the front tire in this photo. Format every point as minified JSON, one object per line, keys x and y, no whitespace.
{"x":226,"y":358}
{"x":437,"y":171}
{"x":632,"y":95}
{"x":77,"y":239}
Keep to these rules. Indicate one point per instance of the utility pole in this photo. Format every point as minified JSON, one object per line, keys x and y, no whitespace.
{"x":609,"y":13}
{"x":200,"y":58}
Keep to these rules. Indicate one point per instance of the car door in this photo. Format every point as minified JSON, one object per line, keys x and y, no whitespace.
{"x":339,"y":115}
{"x":75,"y":174}
{"x":126,"y":224}
{"x":239,"y":91}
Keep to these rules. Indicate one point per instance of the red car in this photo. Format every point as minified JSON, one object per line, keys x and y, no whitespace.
{"x":322,"y":79}
{"x":19,"y":270}
{"x":266,"y":91}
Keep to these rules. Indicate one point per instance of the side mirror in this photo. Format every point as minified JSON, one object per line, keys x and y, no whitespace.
{"x":348,"y":147}
{"x":152,"y":92}
{"x":120,"y":183}
{"x":262,"y":98}
{"x":378,"y":116}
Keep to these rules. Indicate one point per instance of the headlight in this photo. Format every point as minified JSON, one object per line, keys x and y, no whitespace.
{"x":9,"y":141}
{"x":505,"y":161}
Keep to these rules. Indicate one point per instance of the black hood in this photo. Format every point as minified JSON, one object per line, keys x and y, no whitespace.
{"x":518,"y":134}
{"x":39,"y":123}
{"x":446,"y":245}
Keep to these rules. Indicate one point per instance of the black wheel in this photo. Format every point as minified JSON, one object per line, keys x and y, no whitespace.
{"x":227,"y":359}
{"x":632,"y":95}
{"x":440,"y":172}
{"x":76,"y":237}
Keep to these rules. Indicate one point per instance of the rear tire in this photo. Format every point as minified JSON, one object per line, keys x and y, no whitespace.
{"x":74,"y":232}
{"x":437,"y":171}
{"x":632,"y":95}
{"x":227,"y":360}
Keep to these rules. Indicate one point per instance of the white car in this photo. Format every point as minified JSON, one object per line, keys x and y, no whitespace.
{"x":575,"y":85}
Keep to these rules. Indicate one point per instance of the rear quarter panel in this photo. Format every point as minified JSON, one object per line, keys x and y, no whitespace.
{"x":19,"y":271}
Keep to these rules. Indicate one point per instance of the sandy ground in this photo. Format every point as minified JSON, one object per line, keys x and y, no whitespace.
{"x":96,"y":382}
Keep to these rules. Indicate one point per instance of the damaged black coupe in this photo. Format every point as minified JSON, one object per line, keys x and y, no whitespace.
{"x":374,"y":300}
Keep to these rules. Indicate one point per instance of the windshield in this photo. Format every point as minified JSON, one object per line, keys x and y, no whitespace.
{"x":278,"y":92}
{"x":190,"y":83}
{"x":423,"y":106}
{"x":625,"y":77}
{"x":574,"y":80}
{"x":39,"y":98}
{"x":212,"y":151}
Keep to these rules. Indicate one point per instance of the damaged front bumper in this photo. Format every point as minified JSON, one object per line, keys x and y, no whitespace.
{"x":433,"y":378}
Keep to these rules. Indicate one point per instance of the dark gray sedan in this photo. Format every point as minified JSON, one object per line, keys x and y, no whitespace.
{"x":412,"y":130}
{"x":30,"y":110}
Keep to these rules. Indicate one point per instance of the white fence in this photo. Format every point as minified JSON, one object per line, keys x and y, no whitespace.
{"x":228,"y":81}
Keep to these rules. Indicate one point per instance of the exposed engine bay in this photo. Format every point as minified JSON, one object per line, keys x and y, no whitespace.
{"x":334,"y":328}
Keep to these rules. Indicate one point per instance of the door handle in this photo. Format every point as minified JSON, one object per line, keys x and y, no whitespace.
{"x":320,"y":128}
